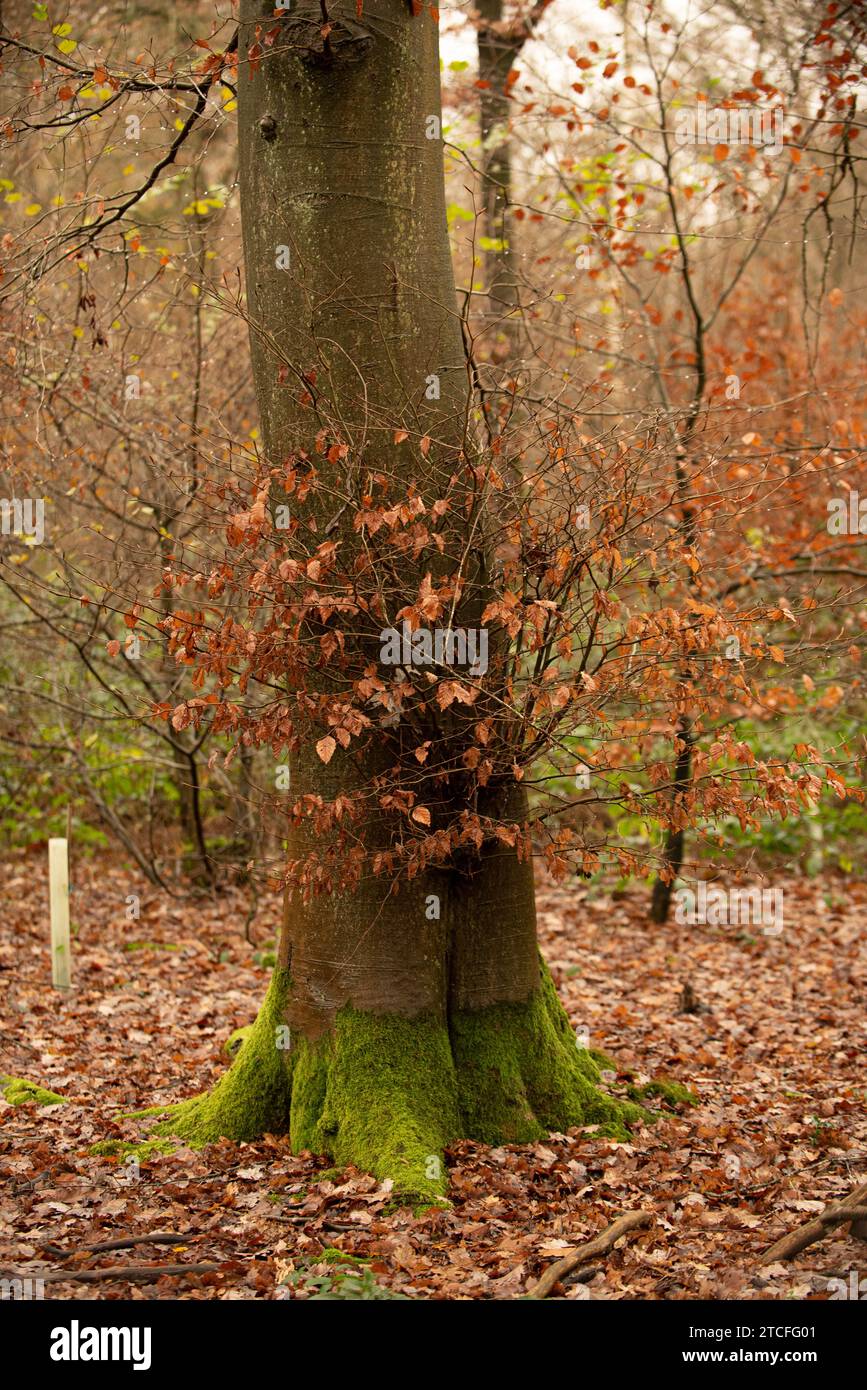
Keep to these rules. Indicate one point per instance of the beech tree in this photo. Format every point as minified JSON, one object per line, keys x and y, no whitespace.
{"x":452,"y":599}
{"x":401,"y":1015}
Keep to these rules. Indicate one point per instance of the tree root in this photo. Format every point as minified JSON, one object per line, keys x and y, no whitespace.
{"x":17,"y":1091}
{"x":849,"y":1209}
{"x":600,"y":1245}
{"x":136,"y":1273}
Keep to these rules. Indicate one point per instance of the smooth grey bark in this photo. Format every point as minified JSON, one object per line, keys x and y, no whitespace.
{"x":337,"y":168}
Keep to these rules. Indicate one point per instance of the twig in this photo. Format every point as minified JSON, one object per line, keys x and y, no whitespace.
{"x":796,"y":1241}
{"x":840,"y":1214}
{"x":145,"y":1273}
{"x":122,"y":1243}
{"x":600,"y":1245}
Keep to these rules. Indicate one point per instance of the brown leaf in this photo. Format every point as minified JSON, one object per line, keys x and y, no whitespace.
{"x":325,"y":748}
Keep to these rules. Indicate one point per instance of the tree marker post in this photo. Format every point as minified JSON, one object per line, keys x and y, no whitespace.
{"x":58,"y":887}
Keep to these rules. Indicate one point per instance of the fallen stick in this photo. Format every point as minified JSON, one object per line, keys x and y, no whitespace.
{"x":840,"y":1214}
{"x":600,"y":1245}
{"x":123,"y":1243}
{"x":134,"y":1272}
{"x":796,"y":1241}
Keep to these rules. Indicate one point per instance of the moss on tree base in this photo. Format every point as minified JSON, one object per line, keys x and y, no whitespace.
{"x":389,"y":1094}
{"x":235,"y":1041}
{"x":379,"y":1092}
{"x":521,"y":1073}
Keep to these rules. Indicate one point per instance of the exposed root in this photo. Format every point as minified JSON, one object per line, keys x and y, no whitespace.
{"x":600,"y":1245}
{"x":792,"y":1244}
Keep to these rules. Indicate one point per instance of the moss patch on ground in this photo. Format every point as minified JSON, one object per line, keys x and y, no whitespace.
{"x":334,"y":1256}
{"x":671,"y":1091}
{"x":150,"y":946}
{"x":17,"y":1091}
{"x":144,"y":1150}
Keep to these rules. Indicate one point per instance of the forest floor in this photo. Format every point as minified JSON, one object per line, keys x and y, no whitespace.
{"x":775,"y":1054}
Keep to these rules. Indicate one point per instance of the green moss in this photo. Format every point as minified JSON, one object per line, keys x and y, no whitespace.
{"x":235,"y":1041}
{"x":602,"y":1060}
{"x":17,"y":1091}
{"x":149,"y":946}
{"x":329,"y":1175}
{"x":418,"y":1209}
{"x":521,"y":1074}
{"x":379,"y":1092}
{"x":422,"y":1208}
{"x":252,"y":1098}
{"x":671,"y":1091}
{"x":334,"y":1256}
{"x":144,"y":1150}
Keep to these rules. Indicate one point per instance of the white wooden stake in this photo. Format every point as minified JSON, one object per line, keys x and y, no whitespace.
{"x":58,"y":882}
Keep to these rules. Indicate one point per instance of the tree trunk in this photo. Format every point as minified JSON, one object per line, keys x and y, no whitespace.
{"x":497,"y":54}
{"x":396,"y":1021}
{"x":660,"y":902}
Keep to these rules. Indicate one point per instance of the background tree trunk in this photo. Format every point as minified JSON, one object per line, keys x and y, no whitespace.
{"x":498,"y":52}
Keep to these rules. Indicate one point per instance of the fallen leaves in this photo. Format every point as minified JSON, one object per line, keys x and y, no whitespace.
{"x":774,"y":1059}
